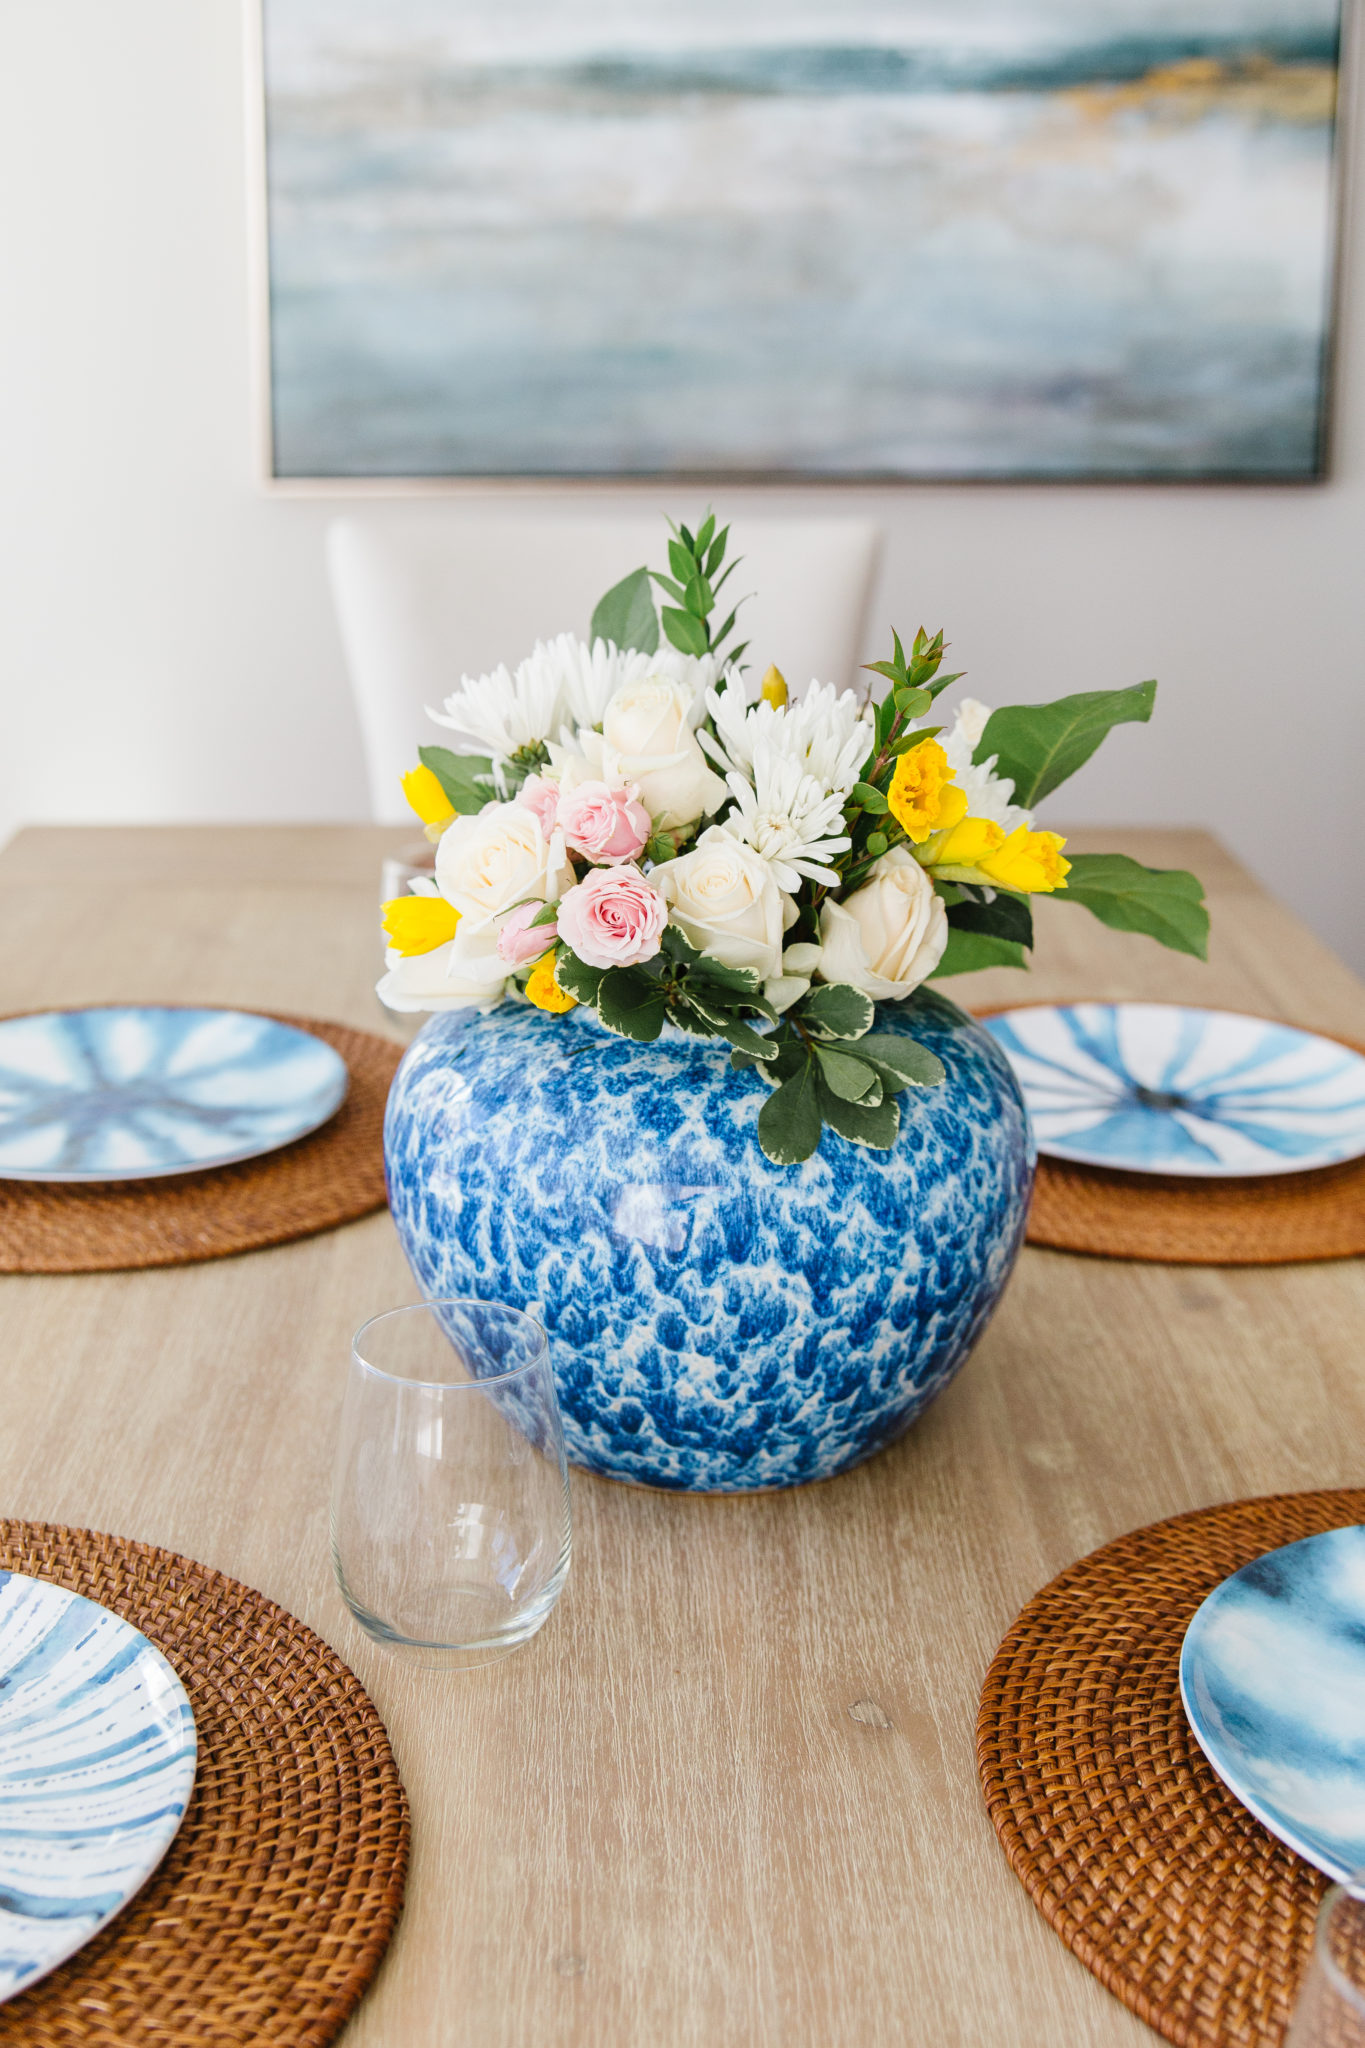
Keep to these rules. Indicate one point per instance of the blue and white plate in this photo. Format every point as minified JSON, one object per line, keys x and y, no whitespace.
{"x":1272,"y":1674}
{"x":135,"y":1093}
{"x":97,"y":1755}
{"x":1154,"y":1088}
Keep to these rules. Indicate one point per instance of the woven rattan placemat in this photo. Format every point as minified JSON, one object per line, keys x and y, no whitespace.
{"x":332,"y":1176}
{"x":1140,"y":1858}
{"x":276,"y":1900}
{"x":1270,"y":1220}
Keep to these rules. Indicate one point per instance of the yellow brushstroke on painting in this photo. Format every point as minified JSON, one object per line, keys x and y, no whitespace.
{"x":1257,"y":89}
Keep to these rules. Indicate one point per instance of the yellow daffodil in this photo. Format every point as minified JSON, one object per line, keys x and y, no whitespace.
{"x":1030,"y":862}
{"x":544,"y":991}
{"x":773,"y":689}
{"x":966,"y":846}
{"x":419,"y":924}
{"x":923,"y":796}
{"x":427,"y":797}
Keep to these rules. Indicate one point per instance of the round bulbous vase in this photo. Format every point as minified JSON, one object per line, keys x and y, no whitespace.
{"x":716,"y":1323}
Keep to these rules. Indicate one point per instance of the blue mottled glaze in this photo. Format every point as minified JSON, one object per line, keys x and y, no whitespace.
{"x":1272,"y":1673}
{"x":717,"y":1323}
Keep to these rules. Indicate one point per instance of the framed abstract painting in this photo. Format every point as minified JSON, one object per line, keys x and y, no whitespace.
{"x":826,"y":238}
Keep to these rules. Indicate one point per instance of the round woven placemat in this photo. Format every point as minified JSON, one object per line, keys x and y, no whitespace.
{"x":1267,"y":1220}
{"x":332,"y":1176}
{"x":276,"y":1900}
{"x":1140,"y":1858}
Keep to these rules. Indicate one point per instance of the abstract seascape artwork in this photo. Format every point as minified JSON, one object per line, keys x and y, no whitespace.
{"x":830,"y":238}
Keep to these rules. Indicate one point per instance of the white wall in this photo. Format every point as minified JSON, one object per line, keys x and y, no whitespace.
{"x":166,"y":645}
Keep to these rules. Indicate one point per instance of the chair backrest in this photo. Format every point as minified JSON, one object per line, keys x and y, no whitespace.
{"x":425,"y":594}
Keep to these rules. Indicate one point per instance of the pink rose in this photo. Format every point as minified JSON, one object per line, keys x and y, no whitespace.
{"x":613,"y":918}
{"x":539,"y":795}
{"x":607,"y":824}
{"x":518,"y":945}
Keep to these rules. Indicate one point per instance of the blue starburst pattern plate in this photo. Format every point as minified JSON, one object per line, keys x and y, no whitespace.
{"x":1154,"y":1088}
{"x":1272,"y":1673}
{"x":97,"y":1756}
{"x":135,"y":1093}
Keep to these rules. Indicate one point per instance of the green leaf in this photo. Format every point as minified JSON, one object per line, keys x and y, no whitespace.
{"x":852,"y":1080}
{"x":680,"y":561}
{"x":547,"y":914}
{"x":704,"y":533}
{"x":703,"y":970}
{"x":576,"y":978}
{"x":871,"y":799}
{"x":862,"y":1123}
{"x":687,"y":633}
{"x":789,"y":1121}
{"x":965,"y":952}
{"x":1165,"y":903}
{"x":717,"y":554}
{"x":751,"y":1042}
{"x":834,"y":1010}
{"x":1006,"y":917}
{"x":877,"y":843}
{"x":626,"y":615}
{"x":906,"y":1057}
{"x":697,"y":598}
{"x":631,"y":1003}
{"x":465,"y":778}
{"x":1039,"y":745}
{"x":667,"y":583}
{"x":913,"y":703}
{"x":940,"y":683}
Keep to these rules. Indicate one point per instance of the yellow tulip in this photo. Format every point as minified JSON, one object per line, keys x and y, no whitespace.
{"x":544,"y":991}
{"x":1030,"y":862}
{"x":967,"y":845}
{"x":923,"y":796}
{"x":774,"y":688}
{"x":427,"y":797}
{"x":419,"y":924}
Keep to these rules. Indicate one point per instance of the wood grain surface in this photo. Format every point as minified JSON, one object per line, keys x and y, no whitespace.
{"x":729,"y":1795}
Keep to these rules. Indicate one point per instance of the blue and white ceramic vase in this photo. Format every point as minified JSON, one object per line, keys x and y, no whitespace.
{"x":717,"y":1323}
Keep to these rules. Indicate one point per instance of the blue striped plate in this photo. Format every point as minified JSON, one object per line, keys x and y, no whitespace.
{"x":1272,"y":1674}
{"x":136,"y":1093}
{"x":97,"y":1755}
{"x":1154,"y":1088}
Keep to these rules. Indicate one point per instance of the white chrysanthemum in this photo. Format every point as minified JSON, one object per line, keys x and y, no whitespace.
{"x":826,"y":733}
{"x":584,"y":676}
{"x":503,"y":712}
{"x":788,"y":817}
{"x":988,"y":795}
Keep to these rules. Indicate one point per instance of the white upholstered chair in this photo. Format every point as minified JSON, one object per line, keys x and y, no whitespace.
{"x":425,"y":594}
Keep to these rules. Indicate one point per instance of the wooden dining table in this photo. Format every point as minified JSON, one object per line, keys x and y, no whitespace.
{"x":729,"y":1794}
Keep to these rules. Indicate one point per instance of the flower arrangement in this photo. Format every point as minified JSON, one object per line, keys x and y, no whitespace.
{"x":652,"y":833}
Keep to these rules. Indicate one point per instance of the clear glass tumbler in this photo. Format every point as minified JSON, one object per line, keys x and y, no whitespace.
{"x":450,"y":1498}
{"x":1330,"y":2012}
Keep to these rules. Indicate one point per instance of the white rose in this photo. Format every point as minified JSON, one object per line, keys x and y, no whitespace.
{"x":648,"y":740}
{"x":723,"y":898}
{"x":455,"y":976}
{"x":888,"y":936}
{"x":496,"y":858}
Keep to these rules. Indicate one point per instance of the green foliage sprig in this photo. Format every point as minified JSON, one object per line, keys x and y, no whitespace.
{"x":627,"y":615}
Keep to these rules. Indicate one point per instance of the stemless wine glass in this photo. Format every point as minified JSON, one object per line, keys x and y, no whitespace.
{"x":1331,"y":2007}
{"x":450,"y":1498}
